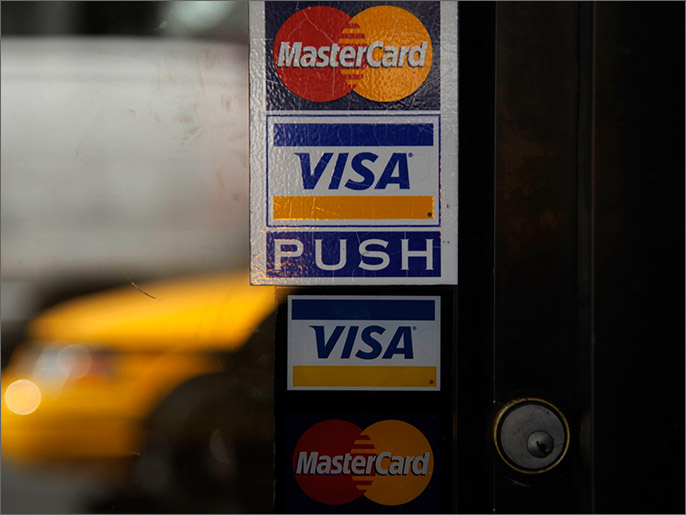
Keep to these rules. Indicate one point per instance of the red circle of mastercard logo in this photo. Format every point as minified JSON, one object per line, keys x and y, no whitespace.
{"x":390,"y":462}
{"x":384,"y":53}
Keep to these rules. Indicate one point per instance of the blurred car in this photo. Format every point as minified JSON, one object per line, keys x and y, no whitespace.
{"x":174,"y":377}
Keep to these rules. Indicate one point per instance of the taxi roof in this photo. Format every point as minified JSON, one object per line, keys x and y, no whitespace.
{"x":210,"y":311}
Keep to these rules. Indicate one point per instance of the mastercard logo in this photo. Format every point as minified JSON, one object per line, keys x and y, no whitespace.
{"x":383,"y":53}
{"x":390,"y":462}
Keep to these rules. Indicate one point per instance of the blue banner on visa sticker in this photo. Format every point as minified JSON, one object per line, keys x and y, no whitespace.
{"x":353,"y":134}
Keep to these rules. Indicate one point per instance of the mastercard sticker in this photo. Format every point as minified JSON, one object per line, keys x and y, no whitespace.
{"x":356,"y":55}
{"x":362,"y":464}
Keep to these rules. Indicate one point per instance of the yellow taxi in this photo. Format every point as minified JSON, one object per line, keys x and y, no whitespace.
{"x":174,"y":376}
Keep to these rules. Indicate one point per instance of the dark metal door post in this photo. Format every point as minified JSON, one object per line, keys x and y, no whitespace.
{"x":571,"y":286}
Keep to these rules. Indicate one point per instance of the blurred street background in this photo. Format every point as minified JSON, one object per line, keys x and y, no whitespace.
{"x":124,"y":159}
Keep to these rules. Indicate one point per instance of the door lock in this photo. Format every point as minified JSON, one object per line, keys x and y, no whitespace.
{"x":531,"y":435}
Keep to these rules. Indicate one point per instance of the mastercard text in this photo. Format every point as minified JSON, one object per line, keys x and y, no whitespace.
{"x":294,"y":55}
{"x":362,"y":465}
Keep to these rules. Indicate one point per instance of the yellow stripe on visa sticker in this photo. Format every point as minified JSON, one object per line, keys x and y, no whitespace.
{"x":353,"y":208}
{"x":367,"y":376}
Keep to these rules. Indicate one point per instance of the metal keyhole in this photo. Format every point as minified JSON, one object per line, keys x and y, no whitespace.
{"x":540,"y":444}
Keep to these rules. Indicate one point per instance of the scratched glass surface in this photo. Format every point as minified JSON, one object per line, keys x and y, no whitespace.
{"x":135,"y":357}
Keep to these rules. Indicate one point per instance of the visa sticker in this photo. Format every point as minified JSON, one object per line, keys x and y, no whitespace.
{"x":364,"y":343}
{"x":353,"y":171}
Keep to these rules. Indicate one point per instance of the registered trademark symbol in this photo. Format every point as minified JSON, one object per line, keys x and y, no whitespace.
{"x":414,"y":327}
{"x":409,"y":154}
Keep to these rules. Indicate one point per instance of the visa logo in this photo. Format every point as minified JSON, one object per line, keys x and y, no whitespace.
{"x":361,"y":170}
{"x":361,"y":173}
{"x":364,"y":342}
{"x":368,"y":345}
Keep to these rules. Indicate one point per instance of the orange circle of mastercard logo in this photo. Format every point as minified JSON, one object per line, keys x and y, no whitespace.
{"x":390,"y":462}
{"x":384,"y":53}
